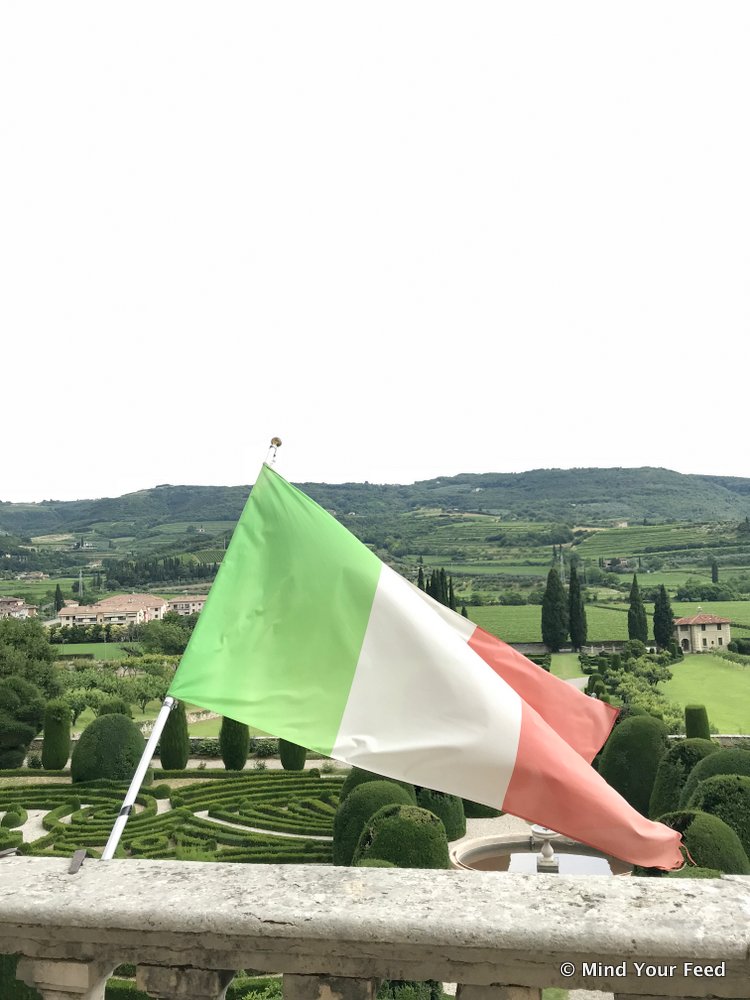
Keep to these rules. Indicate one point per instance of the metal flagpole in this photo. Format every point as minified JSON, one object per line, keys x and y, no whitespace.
{"x":140,"y":773}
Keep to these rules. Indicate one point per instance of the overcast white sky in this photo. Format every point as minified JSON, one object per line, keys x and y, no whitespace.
{"x":411,"y":239}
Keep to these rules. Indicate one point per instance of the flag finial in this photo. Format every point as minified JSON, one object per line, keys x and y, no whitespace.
{"x":273,"y":448}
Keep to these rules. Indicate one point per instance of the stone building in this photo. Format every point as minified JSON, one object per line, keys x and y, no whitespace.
{"x":702,"y":632}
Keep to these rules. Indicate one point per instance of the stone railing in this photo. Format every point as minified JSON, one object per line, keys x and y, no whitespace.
{"x":334,"y":932}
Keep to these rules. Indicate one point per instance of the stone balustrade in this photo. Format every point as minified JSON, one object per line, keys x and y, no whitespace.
{"x":335,"y":932}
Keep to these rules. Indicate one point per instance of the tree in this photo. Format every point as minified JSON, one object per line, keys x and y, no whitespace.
{"x":420,"y":578}
{"x":234,"y":743}
{"x":25,"y":652}
{"x":59,"y":599}
{"x":56,"y":746}
{"x":554,"y":612}
{"x":637,"y":621}
{"x":576,"y":612}
{"x":464,"y":612}
{"x":714,"y":571}
{"x":663,"y":619}
{"x":21,"y":718}
{"x":174,"y":746}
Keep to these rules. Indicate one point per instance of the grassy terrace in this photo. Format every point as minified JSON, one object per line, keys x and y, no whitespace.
{"x":723,"y":687}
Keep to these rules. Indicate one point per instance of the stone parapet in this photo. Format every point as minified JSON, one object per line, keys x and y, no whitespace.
{"x":341,"y":929}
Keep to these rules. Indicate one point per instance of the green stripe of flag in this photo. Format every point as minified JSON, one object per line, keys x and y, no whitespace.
{"x":284,"y":622}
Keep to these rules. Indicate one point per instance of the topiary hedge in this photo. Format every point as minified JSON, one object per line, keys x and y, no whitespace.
{"x":356,"y":809}
{"x":10,"y":987}
{"x":21,"y":718}
{"x":732,"y":761}
{"x":174,"y":745}
{"x":110,"y":747}
{"x":375,"y":863}
{"x":673,"y":771}
{"x":694,"y":871}
{"x":631,"y":757}
{"x":56,"y":745}
{"x":358,"y":776}
{"x":696,"y":722}
{"x":408,"y":836}
{"x":234,"y":740}
{"x":448,"y":808}
{"x":292,"y":756}
{"x":114,"y":705}
{"x":728,"y":797}
{"x":16,"y":816}
{"x":709,"y":841}
{"x":477,"y":810}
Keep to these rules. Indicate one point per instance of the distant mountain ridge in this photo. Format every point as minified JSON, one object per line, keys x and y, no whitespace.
{"x":570,"y":495}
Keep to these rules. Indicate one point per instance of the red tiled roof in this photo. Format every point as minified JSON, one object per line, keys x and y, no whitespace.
{"x":703,"y":620}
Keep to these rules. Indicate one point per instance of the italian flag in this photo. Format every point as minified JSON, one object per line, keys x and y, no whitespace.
{"x":306,"y":634}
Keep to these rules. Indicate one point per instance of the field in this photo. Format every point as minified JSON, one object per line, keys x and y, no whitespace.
{"x":622,"y":542}
{"x":100,"y":650}
{"x":524,"y":623}
{"x":34,"y":591}
{"x":566,"y":666}
{"x":723,"y":687}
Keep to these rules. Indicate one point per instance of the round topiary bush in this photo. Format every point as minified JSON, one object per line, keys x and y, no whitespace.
{"x":110,"y":747}
{"x":709,"y":841}
{"x":56,"y":745}
{"x":358,"y":776}
{"x":696,"y":722}
{"x":354,"y":812}
{"x":234,"y":743}
{"x":673,"y":771}
{"x":631,"y":757}
{"x":292,"y":756}
{"x":408,"y":836}
{"x":448,"y":808}
{"x":174,"y":745}
{"x":114,"y":705}
{"x":14,"y":817}
{"x":728,"y":797}
{"x":733,"y":761}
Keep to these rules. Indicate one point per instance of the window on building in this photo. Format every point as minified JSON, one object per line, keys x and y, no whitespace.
{"x":719,"y":627}
{"x":705,"y":641}
{"x":703,"y":628}
{"x":721,"y":641}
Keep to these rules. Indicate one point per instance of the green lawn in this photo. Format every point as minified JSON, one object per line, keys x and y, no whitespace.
{"x":723,"y":687}
{"x":100,"y":650}
{"x":211,"y":727}
{"x":566,"y":666}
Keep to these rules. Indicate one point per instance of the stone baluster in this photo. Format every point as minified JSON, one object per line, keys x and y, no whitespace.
{"x":60,"y":980}
{"x":165,"y":982}
{"x":328,"y":988}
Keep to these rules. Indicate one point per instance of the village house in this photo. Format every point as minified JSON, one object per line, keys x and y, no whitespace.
{"x":16,"y":607}
{"x":136,"y":609}
{"x":189,"y":604}
{"x":702,"y":632}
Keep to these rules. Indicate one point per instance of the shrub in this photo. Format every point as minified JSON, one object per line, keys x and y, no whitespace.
{"x":733,"y":761}
{"x":174,"y":745}
{"x":354,"y":812}
{"x":709,"y":841}
{"x":21,"y":718}
{"x":694,"y":871}
{"x":234,"y":740}
{"x":396,"y":989}
{"x":408,"y":836}
{"x":696,"y":722}
{"x":673,"y":771}
{"x":292,"y":756}
{"x":358,"y":776}
{"x":114,"y":705}
{"x":56,"y":746}
{"x":35,"y":762}
{"x":375,"y":863}
{"x":631,"y":757}
{"x":448,"y":808}
{"x":478,"y":810}
{"x":110,"y":747}
{"x":10,"y":987}
{"x":14,"y":817}
{"x":728,"y":797}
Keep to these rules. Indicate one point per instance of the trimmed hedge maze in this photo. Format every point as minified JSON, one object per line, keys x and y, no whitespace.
{"x":256,"y":817}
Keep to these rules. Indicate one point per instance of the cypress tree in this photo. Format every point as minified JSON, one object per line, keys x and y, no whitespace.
{"x":234,"y":743}
{"x":292,"y":756}
{"x":464,"y":612}
{"x":174,"y":746}
{"x":420,"y":578}
{"x":443,"y":588}
{"x":451,"y":595}
{"x":56,"y":745}
{"x":637,"y":621}
{"x":554,"y":612}
{"x":576,"y":612}
{"x":663,"y":619}
{"x":59,"y":599}
{"x":714,"y":571}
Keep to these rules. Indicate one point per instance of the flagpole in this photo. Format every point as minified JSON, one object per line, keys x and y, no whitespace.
{"x":140,"y":773}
